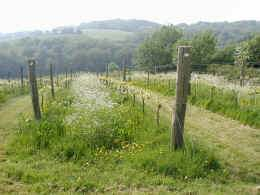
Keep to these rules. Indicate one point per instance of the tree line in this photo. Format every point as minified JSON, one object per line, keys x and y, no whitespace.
{"x":158,"y":52}
{"x":146,"y":51}
{"x":78,"y":52}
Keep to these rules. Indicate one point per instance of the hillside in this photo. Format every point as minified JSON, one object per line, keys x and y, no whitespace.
{"x":118,"y":24}
{"x":226,"y":32}
{"x":90,"y":46}
{"x":96,"y":29}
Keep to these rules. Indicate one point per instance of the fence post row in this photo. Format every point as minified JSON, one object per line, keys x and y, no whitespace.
{"x":182,"y":91}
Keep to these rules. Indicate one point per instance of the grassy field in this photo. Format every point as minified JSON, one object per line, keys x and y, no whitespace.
{"x":242,"y":104}
{"x":116,"y":35}
{"x":11,"y":90}
{"x":93,"y":139}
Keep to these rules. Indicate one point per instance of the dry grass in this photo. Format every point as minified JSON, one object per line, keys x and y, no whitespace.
{"x":237,"y":145}
{"x":9,"y":114}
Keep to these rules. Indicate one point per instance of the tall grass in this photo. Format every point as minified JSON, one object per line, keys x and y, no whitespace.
{"x":7,"y":91}
{"x":245,"y":109}
{"x":107,"y":139}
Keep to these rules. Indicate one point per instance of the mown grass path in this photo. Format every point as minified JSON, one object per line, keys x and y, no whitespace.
{"x":9,"y":115}
{"x":236,"y":145}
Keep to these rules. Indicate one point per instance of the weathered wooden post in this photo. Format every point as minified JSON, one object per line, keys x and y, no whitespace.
{"x":158,"y":114}
{"x":196,"y":88}
{"x":107,"y":70}
{"x":57,"y":80}
{"x":182,"y":90}
{"x":148,"y":78}
{"x":255,"y":98}
{"x":34,"y":89}
{"x":124,"y":72}
{"x":66,"y":81}
{"x":9,"y":78}
{"x":71,"y":75}
{"x":21,"y":75}
{"x":51,"y":79}
{"x":134,"y":99}
{"x":242,"y":75}
{"x":212,"y":92}
{"x":143,"y":105}
{"x":42,"y":102}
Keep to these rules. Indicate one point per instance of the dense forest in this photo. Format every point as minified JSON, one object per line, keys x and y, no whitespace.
{"x":90,"y":46}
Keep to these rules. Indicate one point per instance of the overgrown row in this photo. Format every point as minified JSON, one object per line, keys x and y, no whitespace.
{"x":242,"y":107}
{"x":120,"y":136}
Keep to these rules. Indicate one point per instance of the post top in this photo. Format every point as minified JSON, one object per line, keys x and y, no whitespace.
{"x":184,"y":46}
{"x":31,"y":62}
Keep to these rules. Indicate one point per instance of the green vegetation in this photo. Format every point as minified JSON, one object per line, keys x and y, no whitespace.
{"x":146,"y":45}
{"x":68,"y":151}
{"x":232,"y":73}
{"x":93,"y":138}
{"x":115,"y":35}
{"x":157,"y":49}
{"x":76,"y":52}
{"x":226,"y":32}
{"x":7,"y":91}
{"x":242,"y":107}
{"x":203,"y":48}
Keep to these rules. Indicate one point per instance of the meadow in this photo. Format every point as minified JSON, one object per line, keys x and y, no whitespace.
{"x":96,"y":136}
{"x":216,"y":95}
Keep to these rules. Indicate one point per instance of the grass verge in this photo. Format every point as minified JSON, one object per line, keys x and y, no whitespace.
{"x":108,"y":150}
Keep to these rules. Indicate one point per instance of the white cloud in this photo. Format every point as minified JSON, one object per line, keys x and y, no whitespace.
{"x":16,"y":15}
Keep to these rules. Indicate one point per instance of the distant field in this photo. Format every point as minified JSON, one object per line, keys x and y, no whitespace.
{"x":116,"y":35}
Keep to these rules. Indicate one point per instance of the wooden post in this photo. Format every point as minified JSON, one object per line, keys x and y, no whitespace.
{"x":21,"y":74}
{"x":34,"y":89}
{"x":57,"y":80}
{"x":51,"y":79}
{"x":242,"y":75}
{"x":42,"y":102}
{"x":124,"y":72}
{"x":9,"y":79}
{"x":134,"y":99}
{"x":148,"y":78}
{"x":66,"y":81}
{"x":158,"y":114}
{"x":196,"y":88}
{"x":182,"y":90}
{"x":107,"y":71}
{"x":143,"y":104}
{"x":212,"y":92}
{"x":71,"y":75}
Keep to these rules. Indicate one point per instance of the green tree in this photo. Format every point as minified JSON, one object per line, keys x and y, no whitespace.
{"x":254,"y":50}
{"x":241,"y":59}
{"x":224,"y":55}
{"x":203,"y":48}
{"x":157,"y":49}
{"x":112,"y":66}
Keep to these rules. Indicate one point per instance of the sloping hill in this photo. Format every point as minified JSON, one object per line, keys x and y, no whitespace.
{"x":226,"y":32}
{"x":119,"y":24}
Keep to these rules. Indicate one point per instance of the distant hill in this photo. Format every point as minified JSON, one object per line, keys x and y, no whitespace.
{"x":226,"y":32}
{"x":118,"y":30}
{"x":119,"y":24}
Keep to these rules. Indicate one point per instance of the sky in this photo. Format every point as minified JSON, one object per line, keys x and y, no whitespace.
{"x":23,"y":15}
